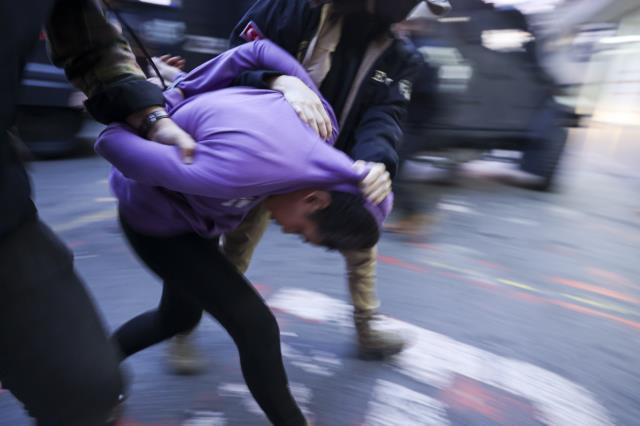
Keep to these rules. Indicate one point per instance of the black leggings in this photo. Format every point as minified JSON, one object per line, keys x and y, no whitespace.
{"x":196,"y":277}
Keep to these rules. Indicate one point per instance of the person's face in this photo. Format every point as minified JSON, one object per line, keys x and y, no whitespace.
{"x":292,"y":212}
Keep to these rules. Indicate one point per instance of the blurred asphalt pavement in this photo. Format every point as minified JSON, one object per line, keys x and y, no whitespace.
{"x":523,"y":309}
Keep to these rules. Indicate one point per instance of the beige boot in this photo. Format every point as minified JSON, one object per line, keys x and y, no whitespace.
{"x":183,"y":355}
{"x":373,"y":342}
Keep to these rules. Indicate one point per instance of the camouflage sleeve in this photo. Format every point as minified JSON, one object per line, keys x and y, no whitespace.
{"x":98,"y":60}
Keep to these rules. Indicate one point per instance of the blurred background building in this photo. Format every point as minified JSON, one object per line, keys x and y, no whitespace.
{"x":51,"y":120}
{"x":589,"y":49}
{"x":593,"y":46}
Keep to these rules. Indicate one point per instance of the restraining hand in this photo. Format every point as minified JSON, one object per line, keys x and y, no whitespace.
{"x":376,"y":185}
{"x":167,"y":132}
{"x":168,"y":66}
{"x":305,"y":103}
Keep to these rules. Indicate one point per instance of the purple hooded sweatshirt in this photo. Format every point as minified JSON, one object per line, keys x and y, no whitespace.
{"x":250,"y":144}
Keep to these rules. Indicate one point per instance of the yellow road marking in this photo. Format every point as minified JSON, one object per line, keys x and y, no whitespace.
{"x":86,"y":220}
{"x":606,"y":306}
{"x":518,"y":285}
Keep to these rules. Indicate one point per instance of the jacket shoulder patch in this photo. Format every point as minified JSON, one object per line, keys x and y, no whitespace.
{"x":251,"y":32}
{"x":405,"y":86}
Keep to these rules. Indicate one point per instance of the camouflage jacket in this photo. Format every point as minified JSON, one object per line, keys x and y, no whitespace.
{"x":98,"y":60}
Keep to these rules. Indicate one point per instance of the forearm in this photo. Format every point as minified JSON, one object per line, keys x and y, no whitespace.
{"x":98,"y":61}
{"x":135,"y":157}
{"x":221,"y":71}
{"x":160,"y":165}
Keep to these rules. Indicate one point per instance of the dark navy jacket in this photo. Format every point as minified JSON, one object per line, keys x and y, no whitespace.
{"x":372,"y":128}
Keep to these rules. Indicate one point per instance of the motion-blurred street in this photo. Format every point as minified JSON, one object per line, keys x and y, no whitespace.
{"x":523,"y":307}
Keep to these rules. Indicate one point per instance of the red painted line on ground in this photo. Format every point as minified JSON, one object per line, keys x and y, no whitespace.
{"x":465,"y":395}
{"x":263,"y":289}
{"x":595,"y":289}
{"x":424,"y":246}
{"x":629,"y":236}
{"x":479,"y":283}
{"x":528,"y":297}
{"x":525,"y":296}
{"x":393,"y":261}
{"x":488,"y":264}
{"x":450,"y":274}
{"x":561,"y":250}
{"x":390,"y":260}
{"x":593,"y":312}
{"x":611,"y":277}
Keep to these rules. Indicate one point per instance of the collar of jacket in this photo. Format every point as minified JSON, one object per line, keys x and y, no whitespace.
{"x":375,"y":49}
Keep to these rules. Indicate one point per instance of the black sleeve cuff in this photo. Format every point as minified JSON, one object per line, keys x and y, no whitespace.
{"x":257,"y":79}
{"x":122,"y":98}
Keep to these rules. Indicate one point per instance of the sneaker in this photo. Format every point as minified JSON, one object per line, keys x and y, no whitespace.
{"x":183,"y":356}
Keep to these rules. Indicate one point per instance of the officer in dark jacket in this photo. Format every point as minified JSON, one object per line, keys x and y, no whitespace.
{"x":55,"y":356}
{"x":369,"y":80}
{"x":366,"y":73}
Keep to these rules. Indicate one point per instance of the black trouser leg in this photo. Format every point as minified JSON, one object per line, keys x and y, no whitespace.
{"x":177,"y":313}
{"x":197,"y":276}
{"x":55,"y":356}
{"x":406,"y":192}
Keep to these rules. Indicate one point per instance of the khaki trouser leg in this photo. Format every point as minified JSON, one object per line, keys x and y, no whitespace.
{"x":361,"y":275}
{"x":240,"y":244}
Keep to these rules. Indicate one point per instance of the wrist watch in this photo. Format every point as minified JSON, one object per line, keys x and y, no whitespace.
{"x":149,"y":120}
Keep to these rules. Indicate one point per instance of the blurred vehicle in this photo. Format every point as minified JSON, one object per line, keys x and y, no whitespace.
{"x":49,"y":113}
{"x":51,"y":120}
{"x":483,"y":94}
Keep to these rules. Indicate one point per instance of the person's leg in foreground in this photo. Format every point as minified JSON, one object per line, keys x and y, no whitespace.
{"x":197,"y":276}
{"x":56,"y":357}
{"x":184,"y":357}
{"x":373,"y":343}
{"x":239,"y":246}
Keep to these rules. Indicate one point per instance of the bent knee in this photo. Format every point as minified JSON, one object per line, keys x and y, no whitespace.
{"x":187,"y":322}
{"x":261,"y":327}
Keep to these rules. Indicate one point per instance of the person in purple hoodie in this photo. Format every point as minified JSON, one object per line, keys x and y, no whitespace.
{"x":252,"y":148}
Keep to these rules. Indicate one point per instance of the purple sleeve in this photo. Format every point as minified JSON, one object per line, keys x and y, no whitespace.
{"x":154,"y":164}
{"x":220,"y":71}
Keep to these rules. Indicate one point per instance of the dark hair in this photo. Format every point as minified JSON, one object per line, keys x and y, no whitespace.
{"x":346,"y":224}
